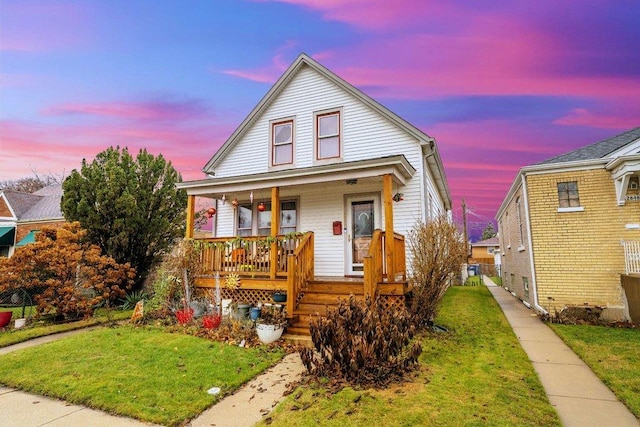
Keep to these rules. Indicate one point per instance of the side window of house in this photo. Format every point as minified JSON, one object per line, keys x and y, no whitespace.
{"x":568,"y":194}
{"x":282,"y":143}
{"x":328,"y":138}
{"x":525,"y":283}
{"x":519,"y":221}
{"x":245,"y":220}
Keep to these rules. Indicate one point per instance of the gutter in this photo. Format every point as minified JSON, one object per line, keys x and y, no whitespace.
{"x":534,"y":283}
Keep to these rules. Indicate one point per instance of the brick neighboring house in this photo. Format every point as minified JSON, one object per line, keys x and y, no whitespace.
{"x":23,"y":214}
{"x":562,"y":223}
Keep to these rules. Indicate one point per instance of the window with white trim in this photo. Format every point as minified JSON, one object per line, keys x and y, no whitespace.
{"x":282,"y":143}
{"x":519,"y":221}
{"x":254,"y":221}
{"x":568,"y":196}
{"x":328,"y":138}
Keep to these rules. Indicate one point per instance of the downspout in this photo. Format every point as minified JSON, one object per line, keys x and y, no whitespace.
{"x":534,"y":285}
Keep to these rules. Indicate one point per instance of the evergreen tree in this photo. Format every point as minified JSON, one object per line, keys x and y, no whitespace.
{"x":489,"y":232}
{"x":130,"y":208}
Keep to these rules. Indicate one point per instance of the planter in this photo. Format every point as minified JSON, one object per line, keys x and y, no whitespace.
{"x":279,"y":297}
{"x":269,"y":333}
{"x":242,"y":312}
{"x":5,"y":318}
{"x":254,"y":314}
{"x":19,"y":323}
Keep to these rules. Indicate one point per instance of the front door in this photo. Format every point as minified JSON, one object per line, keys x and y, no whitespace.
{"x":361,"y":221}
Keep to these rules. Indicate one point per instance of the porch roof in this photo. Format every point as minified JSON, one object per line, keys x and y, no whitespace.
{"x":398,"y":166}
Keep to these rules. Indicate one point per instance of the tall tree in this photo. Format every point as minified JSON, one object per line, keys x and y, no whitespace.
{"x":489,"y":231}
{"x":130,"y":208}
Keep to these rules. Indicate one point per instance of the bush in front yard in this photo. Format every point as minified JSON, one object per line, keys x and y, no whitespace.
{"x":438,"y":252}
{"x":72,"y":275}
{"x":362,"y":343}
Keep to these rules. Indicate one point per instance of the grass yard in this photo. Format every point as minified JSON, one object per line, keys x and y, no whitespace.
{"x":476,"y":374}
{"x":12,"y":336}
{"x":143,"y":373}
{"x":612,"y":353}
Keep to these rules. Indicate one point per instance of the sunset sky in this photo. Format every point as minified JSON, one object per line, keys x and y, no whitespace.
{"x":499,"y":84}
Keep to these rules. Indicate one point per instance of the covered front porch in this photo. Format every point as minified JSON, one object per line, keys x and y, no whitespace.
{"x":353,"y":248}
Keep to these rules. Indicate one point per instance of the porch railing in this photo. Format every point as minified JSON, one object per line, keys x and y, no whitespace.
{"x":376,"y":269}
{"x":258,"y":256}
{"x":631,"y":256}
{"x":301,"y":270}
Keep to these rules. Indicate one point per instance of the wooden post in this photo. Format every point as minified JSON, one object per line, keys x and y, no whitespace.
{"x":369,"y":278}
{"x":275,"y":229}
{"x":387,"y":189}
{"x":191,"y":202}
{"x":291,"y":278}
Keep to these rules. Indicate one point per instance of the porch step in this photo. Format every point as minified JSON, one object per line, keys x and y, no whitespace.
{"x":297,"y":338}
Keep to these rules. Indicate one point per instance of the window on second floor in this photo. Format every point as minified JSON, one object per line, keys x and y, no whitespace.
{"x":282,"y":143}
{"x":568,"y":194}
{"x":328,"y":138}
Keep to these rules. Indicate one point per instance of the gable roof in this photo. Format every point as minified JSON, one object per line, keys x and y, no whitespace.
{"x":493,"y":241}
{"x":48,"y":207}
{"x":20,"y":202}
{"x":426,"y":141}
{"x":597,"y":150}
{"x":43,"y":204}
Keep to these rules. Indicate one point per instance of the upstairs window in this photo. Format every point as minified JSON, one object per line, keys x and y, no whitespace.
{"x":328,"y":135}
{"x":282,"y":143}
{"x":568,"y":194}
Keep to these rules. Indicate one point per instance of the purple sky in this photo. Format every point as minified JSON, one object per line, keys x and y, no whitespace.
{"x":499,"y":84}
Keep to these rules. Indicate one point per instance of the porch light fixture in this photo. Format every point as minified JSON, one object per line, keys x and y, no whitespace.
{"x":211,"y":212}
{"x":352,"y":181}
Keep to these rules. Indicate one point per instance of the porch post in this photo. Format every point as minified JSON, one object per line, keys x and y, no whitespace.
{"x":191,"y":202}
{"x":387,"y":189}
{"x":275,"y":228}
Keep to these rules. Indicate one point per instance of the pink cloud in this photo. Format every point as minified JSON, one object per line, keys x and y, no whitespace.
{"x":271,"y":72}
{"x":160,"y":110}
{"x":372,"y":14}
{"x":584,"y":117}
{"x":60,"y":148}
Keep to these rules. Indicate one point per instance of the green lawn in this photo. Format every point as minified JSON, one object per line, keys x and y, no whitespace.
{"x":40,"y":328}
{"x":143,"y":373}
{"x":612,"y":353}
{"x":476,"y":374}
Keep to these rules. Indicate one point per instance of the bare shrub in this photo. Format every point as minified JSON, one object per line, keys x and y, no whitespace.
{"x":438,"y":252}
{"x":362,"y":343}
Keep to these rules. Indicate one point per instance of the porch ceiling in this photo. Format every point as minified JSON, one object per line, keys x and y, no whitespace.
{"x":397,"y":166}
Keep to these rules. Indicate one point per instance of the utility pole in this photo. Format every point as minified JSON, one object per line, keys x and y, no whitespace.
{"x":464,"y":225}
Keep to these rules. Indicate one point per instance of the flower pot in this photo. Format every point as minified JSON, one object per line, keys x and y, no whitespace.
{"x":279,"y":297}
{"x":242,"y":312}
{"x":254,"y":313}
{"x":19,"y":323}
{"x":5,"y":318}
{"x":269,"y":333}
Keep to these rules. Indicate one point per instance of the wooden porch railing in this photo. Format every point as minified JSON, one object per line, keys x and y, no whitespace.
{"x":375,"y":266}
{"x":248,"y":255}
{"x":301,"y":270}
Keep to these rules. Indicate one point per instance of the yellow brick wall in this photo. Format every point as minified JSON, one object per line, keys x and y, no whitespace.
{"x":578,"y":255}
{"x":516,"y":265}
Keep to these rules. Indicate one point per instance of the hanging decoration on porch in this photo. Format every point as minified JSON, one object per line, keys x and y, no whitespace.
{"x":224,"y":199}
{"x":398,"y":197}
{"x":251,"y":197}
{"x":234,"y":202}
{"x":261,"y":207}
{"x":211,"y":212}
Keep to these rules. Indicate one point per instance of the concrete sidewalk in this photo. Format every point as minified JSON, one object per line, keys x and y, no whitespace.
{"x":578,"y":395}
